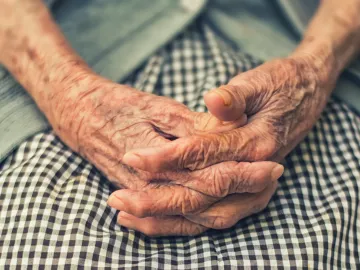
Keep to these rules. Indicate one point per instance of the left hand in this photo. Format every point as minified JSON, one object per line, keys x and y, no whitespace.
{"x":282,"y":99}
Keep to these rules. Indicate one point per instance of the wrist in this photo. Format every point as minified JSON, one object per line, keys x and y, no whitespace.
{"x":321,"y":60}
{"x":332,"y":38}
{"x":61,"y":91}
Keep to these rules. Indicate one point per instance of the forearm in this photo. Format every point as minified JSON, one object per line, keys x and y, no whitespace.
{"x":34,"y":50}
{"x":332,"y":39}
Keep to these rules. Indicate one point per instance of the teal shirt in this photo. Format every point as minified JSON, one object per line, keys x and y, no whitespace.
{"x":115,"y":37}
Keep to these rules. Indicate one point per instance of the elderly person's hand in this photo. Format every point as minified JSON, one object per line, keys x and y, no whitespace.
{"x":103,"y":120}
{"x":220,"y":215}
{"x":282,"y":100}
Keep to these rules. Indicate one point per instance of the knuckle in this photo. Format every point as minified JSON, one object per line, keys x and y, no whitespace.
{"x":151,"y":230}
{"x":220,"y":186}
{"x":189,"y":206}
{"x":192,"y":203}
{"x":142,"y":210}
{"x":252,"y":180}
{"x":222,"y":222}
{"x":195,"y":229}
{"x":213,"y":181}
{"x":230,"y":146}
{"x":241,"y":144}
{"x":245,"y":182}
{"x":194,"y":155}
{"x":180,"y":203}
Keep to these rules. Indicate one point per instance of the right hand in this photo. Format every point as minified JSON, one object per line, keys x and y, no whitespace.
{"x":102,"y":120}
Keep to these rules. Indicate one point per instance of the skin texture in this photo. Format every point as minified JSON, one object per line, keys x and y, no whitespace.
{"x":237,"y":207}
{"x":102,"y":120}
{"x":201,"y":184}
{"x":282,"y":100}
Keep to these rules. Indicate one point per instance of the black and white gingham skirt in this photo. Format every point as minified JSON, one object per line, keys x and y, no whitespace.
{"x":53,"y":209}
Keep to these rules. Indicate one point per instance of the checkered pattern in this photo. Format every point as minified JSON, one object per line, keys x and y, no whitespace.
{"x":53,"y":209}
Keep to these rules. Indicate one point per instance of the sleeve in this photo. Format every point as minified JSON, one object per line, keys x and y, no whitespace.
{"x":298,"y":14}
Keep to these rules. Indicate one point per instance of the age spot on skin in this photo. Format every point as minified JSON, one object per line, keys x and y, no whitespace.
{"x":46,"y":79}
{"x":32,"y":54}
{"x":13,"y":60}
{"x":9,"y":33}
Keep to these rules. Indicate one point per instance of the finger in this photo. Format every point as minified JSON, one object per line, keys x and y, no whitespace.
{"x":227,"y":212}
{"x":192,"y":123}
{"x":205,"y":123}
{"x":107,"y":155}
{"x":246,"y":93}
{"x":164,"y":200}
{"x":178,"y":121}
{"x":252,"y":142}
{"x":161,"y":226}
{"x":224,"y":104}
{"x":199,"y":189}
{"x":222,"y":179}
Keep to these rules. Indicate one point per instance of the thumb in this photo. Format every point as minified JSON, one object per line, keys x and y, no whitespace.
{"x":234,"y":100}
{"x":225,"y":103}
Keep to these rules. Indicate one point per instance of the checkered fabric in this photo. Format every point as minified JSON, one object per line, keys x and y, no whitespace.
{"x":53,"y":211}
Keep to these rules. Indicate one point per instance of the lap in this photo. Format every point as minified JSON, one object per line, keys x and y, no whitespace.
{"x":53,"y":203}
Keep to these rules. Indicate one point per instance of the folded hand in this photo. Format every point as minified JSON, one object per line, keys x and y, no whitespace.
{"x":103,"y":120}
{"x":282,"y":100}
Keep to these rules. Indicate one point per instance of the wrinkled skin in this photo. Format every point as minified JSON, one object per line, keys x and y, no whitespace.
{"x":282,"y":100}
{"x":102,"y":120}
{"x":221,"y":215}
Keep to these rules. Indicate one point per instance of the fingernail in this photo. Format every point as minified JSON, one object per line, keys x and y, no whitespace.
{"x":115,"y":202}
{"x":133,"y":160}
{"x":277,"y":172}
{"x":223,"y":95}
